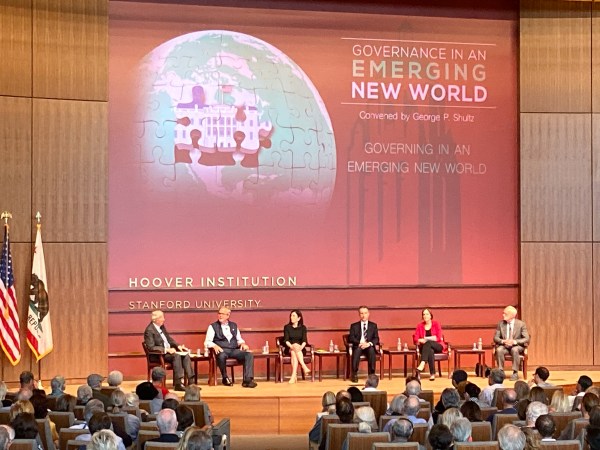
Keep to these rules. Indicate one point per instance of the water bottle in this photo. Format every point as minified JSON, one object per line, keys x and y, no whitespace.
{"x":206,"y":350}
{"x":399,"y":347}
{"x":331,"y":346}
{"x":405,"y":347}
{"x":480,"y":344}
{"x":267,"y":347}
{"x":474,"y":345}
{"x":198,"y":352}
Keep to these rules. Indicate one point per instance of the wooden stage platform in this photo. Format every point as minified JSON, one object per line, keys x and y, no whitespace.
{"x":283,"y":408}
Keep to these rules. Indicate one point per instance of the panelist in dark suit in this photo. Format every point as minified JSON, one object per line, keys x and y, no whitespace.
{"x":363,"y":338}
{"x":157,"y":338}
{"x":225,"y":339}
{"x":511,"y":337}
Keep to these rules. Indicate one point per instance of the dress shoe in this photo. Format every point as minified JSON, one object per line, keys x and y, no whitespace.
{"x":432,"y":377}
{"x":514,"y":377}
{"x":249,"y":384}
{"x":227,"y":382}
{"x":179,"y":387}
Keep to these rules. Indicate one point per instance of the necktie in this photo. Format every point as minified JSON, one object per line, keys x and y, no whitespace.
{"x":509,"y":331}
{"x":365,"y":331}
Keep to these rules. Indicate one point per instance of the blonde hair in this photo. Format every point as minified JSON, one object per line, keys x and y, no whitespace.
{"x":20,"y":406}
{"x":449,"y":416}
{"x":103,"y":440}
{"x":183,"y":442}
{"x":560,"y":402}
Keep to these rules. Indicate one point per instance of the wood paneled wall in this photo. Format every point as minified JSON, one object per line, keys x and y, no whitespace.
{"x":560,"y":188}
{"x":53,"y":139}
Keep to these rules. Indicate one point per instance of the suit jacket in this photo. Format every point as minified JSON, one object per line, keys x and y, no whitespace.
{"x":154,"y":340}
{"x":520,"y":333}
{"x":356,"y":333}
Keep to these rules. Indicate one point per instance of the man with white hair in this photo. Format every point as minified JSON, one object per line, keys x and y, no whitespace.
{"x":166,"y":421}
{"x":157,"y":338}
{"x":411,"y":408}
{"x":511,"y":337}
{"x":115,"y":378}
{"x":58,"y":386}
{"x":510,"y":437}
{"x":461,"y":429}
{"x":534,"y":410}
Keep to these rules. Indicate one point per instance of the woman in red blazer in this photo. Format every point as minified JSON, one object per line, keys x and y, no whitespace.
{"x":428,"y":336}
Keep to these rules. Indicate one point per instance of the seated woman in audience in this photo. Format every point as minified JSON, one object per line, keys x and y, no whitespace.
{"x":396,"y":405}
{"x":366,"y":414}
{"x":449,"y":416}
{"x":66,"y":403}
{"x":84,"y":394}
{"x":533,"y":441}
{"x":521,"y":408}
{"x":18,"y":407}
{"x":133,"y":401}
{"x":195,"y":438}
{"x":522,"y":389}
{"x":560,"y":403}
{"x":132,"y":421}
{"x":328,"y":404}
{"x":428,"y":336}
{"x":185,"y":419}
{"x":294,"y":339}
{"x":355,"y":394}
{"x":104,"y":440}
{"x":537,"y":394}
{"x":40,"y":411}
{"x":472,"y":392}
{"x":471,"y":411}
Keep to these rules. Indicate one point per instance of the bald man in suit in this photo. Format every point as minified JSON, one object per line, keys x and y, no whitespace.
{"x":511,"y":337}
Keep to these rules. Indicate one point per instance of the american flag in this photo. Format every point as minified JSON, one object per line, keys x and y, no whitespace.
{"x":9,"y":317}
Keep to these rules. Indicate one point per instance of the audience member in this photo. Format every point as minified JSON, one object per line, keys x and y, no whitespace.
{"x":546,"y":427}
{"x":27,"y":380}
{"x":559,"y":403}
{"x":495,"y":381}
{"x":132,"y":421}
{"x":448,"y":399}
{"x":115,"y":378}
{"x":401,"y":430}
{"x":540,"y":377}
{"x":166,"y":420}
{"x":25,"y":427}
{"x":510,"y":437}
{"x":185,"y":419}
{"x":509,"y":397}
{"x":159,"y":380}
{"x":471,"y":411}
{"x":440,"y":437}
{"x":411,"y":408}
{"x":98,"y":421}
{"x":18,"y":407}
{"x":537,"y":394}
{"x":40,"y":411}
{"x":84,"y":394}
{"x":327,"y":404}
{"x":355,"y":394}
{"x":534,"y":410}
{"x":472,"y":392}
{"x":194,"y":438}
{"x":94,"y":381}
{"x":396,"y":407}
{"x":57,"y":384}
{"x":366,"y":414}
{"x":583,"y":383}
{"x":24,"y":394}
{"x":3,"y":390}
{"x":532,"y":438}
{"x":522,"y":406}
{"x":461,"y":430}
{"x":345,"y":411}
{"x":371,"y":383}
{"x":170,"y":403}
{"x":4,"y":439}
{"x":65,"y":403}
{"x":103,"y":440}
{"x":449,"y":416}
{"x":133,"y":401}
{"x":522,"y":389}
{"x":148,"y":392}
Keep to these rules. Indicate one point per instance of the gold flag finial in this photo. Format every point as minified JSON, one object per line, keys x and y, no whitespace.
{"x":38,"y":216}
{"x":5,"y":216}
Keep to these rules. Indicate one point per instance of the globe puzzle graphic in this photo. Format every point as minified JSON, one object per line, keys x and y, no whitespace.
{"x":235,"y":117}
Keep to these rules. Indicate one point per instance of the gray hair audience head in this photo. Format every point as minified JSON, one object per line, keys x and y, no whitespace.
{"x":57,"y":383}
{"x":509,"y":397}
{"x":397,"y":404}
{"x":497,"y":376}
{"x":84,"y":393}
{"x":9,"y":430}
{"x":510,"y":437}
{"x":199,"y":440}
{"x":94,"y":405}
{"x":450,"y":416}
{"x":450,"y":398}
{"x":461,"y":429}
{"x":401,"y":429}
{"x":132,"y":399}
{"x":103,"y":440}
{"x":166,"y":420}
{"x":535,"y":410}
{"x":364,"y":427}
{"x":158,"y":374}
{"x":413,"y":388}
{"x":372,"y":380}
{"x":367,"y":414}
{"x":115,"y":378}
{"x":4,"y":439}
{"x":412,"y":405}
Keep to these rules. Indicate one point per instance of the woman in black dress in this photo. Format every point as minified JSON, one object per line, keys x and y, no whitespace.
{"x":294,"y":336}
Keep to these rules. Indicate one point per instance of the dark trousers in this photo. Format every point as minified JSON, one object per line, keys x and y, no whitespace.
{"x":246,"y":358}
{"x":181,"y":365}
{"x":428,"y":351}
{"x":369,"y":352}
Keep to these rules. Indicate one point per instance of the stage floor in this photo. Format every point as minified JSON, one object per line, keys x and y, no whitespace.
{"x":283,"y":408}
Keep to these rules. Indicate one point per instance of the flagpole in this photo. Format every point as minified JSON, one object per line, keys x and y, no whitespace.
{"x":5,"y":216}
{"x":38,"y":217}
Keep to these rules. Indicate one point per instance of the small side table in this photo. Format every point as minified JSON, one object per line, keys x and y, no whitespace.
{"x":320,"y":354}
{"x":468,"y":351}
{"x":391,"y":352}
{"x":268,"y":356}
{"x":198,"y":357}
